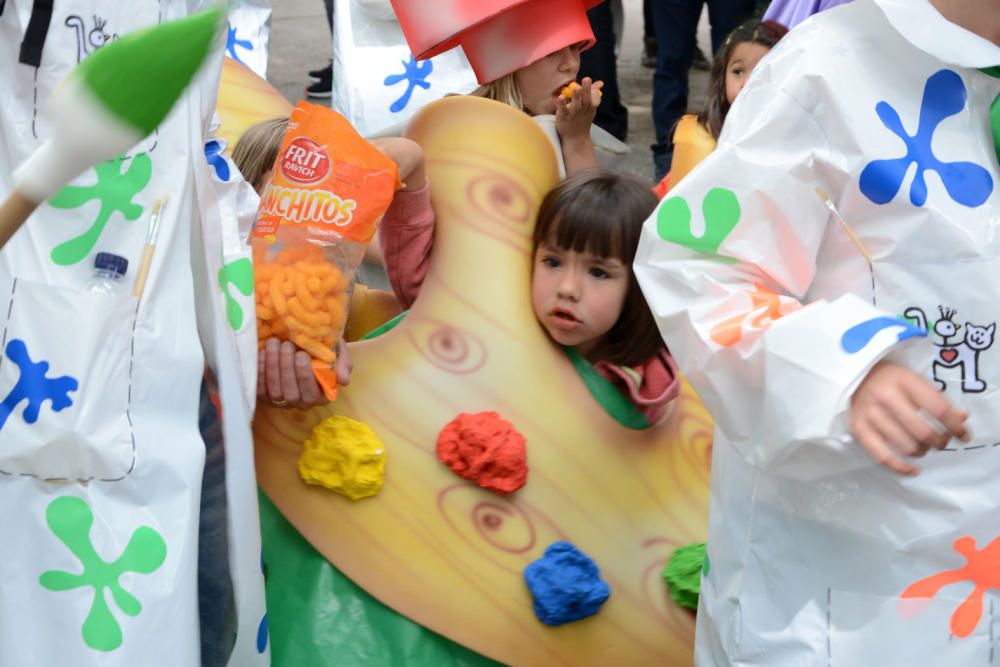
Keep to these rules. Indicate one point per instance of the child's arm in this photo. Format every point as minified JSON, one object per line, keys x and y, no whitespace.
{"x":725,"y":264}
{"x":573,"y":120}
{"x":406,"y":233}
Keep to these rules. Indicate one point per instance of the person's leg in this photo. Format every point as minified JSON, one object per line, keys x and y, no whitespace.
{"x":216,"y":607}
{"x":599,"y":64}
{"x":675,"y":22}
{"x":329,"y":12}
{"x":648,"y":35}
{"x":725,"y":15}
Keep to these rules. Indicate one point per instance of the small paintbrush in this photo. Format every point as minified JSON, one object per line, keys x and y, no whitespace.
{"x":821,"y":193}
{"x":147,"y":252}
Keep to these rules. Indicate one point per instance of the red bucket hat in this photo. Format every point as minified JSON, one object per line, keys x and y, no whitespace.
{"x":498,"y":36}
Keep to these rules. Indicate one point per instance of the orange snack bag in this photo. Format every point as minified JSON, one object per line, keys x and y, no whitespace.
{"x":329,"y":191}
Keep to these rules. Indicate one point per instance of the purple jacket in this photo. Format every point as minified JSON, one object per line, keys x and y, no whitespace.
{"x":790,"y":13}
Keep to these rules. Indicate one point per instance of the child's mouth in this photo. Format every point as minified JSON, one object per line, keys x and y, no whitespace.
{"x":565,"y":319}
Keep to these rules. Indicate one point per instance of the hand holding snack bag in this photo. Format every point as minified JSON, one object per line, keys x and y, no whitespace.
{"x":329,"y":191}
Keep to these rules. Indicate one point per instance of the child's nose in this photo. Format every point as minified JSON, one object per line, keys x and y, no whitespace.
{"x":569,"y":59}
{"x":569,"y":286}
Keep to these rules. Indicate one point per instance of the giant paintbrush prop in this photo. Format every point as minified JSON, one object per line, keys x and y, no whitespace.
{"x":108,"y":103}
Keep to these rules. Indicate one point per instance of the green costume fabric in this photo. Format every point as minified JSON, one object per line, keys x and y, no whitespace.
{"x":317,"y":617}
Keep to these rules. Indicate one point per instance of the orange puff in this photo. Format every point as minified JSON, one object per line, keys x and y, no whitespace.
{"x":301,"y":297}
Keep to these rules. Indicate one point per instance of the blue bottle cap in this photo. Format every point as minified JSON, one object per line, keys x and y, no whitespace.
{"x":111,"y":262}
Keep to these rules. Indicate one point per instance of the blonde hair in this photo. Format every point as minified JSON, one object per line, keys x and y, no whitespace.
{"x":502,"y":90}
{"x":256,"y":151}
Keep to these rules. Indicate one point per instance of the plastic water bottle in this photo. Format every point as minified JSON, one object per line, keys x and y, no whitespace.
{"x":109,"y":271}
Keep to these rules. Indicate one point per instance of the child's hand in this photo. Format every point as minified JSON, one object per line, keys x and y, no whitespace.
{"x":409,"y":158}
{"x":285,"y":376}
{"x":888,"y":417}
{"x":575,"y":116}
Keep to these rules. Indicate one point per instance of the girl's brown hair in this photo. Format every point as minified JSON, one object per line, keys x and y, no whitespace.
{"x":755,"y":31}
{"x":256,"y":151}
{"x":602,"y":212}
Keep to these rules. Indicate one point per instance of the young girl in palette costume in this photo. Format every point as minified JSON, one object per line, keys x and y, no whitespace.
{"x":583,"y":291}
{"x":855,"y":181}
{"x":525,"y":53}
{"x":695,"y":136}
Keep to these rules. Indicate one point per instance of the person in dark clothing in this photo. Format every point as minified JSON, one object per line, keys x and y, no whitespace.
{"x":675,"y":23}
{"x":599,"y":64}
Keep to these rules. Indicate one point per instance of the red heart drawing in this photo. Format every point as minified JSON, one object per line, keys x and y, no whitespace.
{"x":949,"y":354}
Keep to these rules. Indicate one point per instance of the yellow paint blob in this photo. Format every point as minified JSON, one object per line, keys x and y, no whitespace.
{"x":345,"y":456}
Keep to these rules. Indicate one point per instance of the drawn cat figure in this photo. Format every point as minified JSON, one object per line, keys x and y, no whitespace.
{"x":88,"y":42}
{"x":964,"y":354}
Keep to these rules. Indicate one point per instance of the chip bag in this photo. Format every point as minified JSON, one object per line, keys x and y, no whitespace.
{"x":329,"y":190}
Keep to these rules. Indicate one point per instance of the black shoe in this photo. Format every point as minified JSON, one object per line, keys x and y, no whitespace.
{"x":322,"y":73}
{"x":699,"y":61}
{"x":322,"y":88}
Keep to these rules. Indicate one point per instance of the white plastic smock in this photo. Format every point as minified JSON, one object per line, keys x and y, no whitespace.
{"x":775,"y":317}
{"x":101,"y":458}
{"x":377,"y":83}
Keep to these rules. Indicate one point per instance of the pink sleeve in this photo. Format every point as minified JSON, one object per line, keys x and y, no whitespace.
{"x":406,"y":234}
{"x":660,"y":383}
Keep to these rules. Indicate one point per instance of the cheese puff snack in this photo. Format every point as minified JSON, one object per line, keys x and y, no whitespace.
{"x":329,"y":191}
{"x":567,"y":92}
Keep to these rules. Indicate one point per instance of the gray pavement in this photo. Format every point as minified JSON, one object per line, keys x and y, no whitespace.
{"x":300,"y":41}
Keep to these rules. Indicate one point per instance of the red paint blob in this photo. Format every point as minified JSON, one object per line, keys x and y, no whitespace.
{"x":486,"y":449}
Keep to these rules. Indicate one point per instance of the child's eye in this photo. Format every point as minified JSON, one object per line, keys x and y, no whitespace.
{"x":550,"y":261}
{"x":598,"y":273}
{"x":738,"y":71}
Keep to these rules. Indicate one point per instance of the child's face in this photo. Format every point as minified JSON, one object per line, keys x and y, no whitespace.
{"x":577,"y":297}
{"x":542,"y":81}
{"x":745,"y":57}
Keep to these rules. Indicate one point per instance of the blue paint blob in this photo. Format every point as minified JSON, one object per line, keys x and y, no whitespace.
{"x":857,"y":337}
{"x":565,"y":584}
{"x":967,"y":183}
{"x":414,"y":74}
{"x":34,"y":387}
{"x":213,"y":153}
{"x":262,"y":635}
{"x":233,"y":41}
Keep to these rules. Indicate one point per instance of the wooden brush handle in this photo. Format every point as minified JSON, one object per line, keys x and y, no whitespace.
{"x":13,"y":212}
{"x":144,"y":264}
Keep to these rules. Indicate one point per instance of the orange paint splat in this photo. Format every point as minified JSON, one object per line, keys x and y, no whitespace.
{"x":730,"y":332}
{"x":982,"y":568}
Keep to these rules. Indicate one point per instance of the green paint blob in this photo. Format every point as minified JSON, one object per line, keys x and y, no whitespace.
{"x":683,"y":574}
{"x":140,"y":76}
{"x":114,"y":190}
{"x":721,"y":212}
{"x":71,"y":520}
{"x":239,"y":274}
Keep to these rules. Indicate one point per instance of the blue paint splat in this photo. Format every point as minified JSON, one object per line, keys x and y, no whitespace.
{"x":34,"y":387}
{"x":232,"y":41}
{"x":565,"y":584}
{"x":415,"y":74}
{"x":857,"y":337}
{"x":966,"y":182}
{"x":213,"y":153}
{"x":262,"y":635}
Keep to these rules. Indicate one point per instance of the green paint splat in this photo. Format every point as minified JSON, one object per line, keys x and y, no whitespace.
{"x":114,"y":190}
{"x":119,"y":75}
{"x":721,"y":212}
{"x":239,"y":274}
{"x":70,"y":519}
